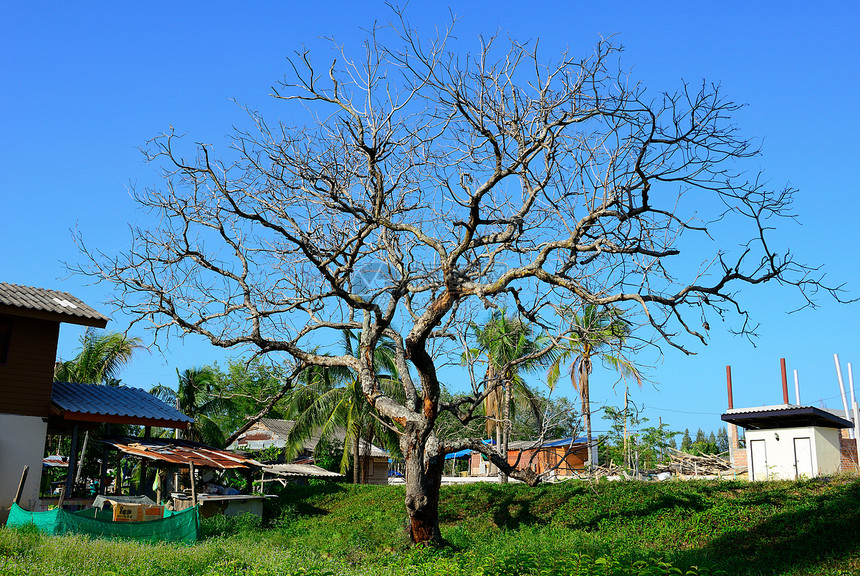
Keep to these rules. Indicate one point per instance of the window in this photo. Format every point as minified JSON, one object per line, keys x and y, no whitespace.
{"x":5,"y":338}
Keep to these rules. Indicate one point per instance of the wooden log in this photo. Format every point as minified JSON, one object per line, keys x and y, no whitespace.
{"x":21,"y":484}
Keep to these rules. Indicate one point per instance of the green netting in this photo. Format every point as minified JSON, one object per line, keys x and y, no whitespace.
{"x":181,"y":526}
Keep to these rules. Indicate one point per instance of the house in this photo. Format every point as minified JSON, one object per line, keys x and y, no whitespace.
{"x":273,"y":433}
{"x":561,"y":457}
{"x":557,"y":458}
{"x":787,"y":441}
{"x":30,"y":321}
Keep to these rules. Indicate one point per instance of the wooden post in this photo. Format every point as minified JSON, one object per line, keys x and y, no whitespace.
{"x":193,"y":486}
{"x":73,"y":463}
{"x":21,"y":484}
{"x":62,"y":497}
{"x":80,"y":467}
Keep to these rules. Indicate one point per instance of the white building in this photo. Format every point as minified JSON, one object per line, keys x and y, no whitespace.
{"x":787,"y":442}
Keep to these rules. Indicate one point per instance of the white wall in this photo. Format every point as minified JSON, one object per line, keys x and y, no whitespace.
{"x":824,"y":446}
{"x":22,"y":443}
{"x":828,"y":451}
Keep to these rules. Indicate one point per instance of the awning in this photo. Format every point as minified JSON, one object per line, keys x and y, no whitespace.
{"x":94,"y":403}
{"x":299,"y":471}
{"x":180,"y":452}
{"x":784,"y":416}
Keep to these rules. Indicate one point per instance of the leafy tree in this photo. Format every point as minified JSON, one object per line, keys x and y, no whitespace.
{"x":431,"y":182}
{"x":508,"y":347}
{"x":99,"y":360}
{"x":194,"y":397}
{"x":722,"y":440}
{"x":598,"y":332}
{"x":246,"y":388}
{"x":330,"y":401}
{"x":686,"y":441}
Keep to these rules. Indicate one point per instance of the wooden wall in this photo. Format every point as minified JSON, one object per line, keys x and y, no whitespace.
{"x":548,"y":458}
{"x":28,"y":374}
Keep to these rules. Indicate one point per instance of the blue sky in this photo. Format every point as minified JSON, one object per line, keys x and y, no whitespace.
{"x":85,"y":85}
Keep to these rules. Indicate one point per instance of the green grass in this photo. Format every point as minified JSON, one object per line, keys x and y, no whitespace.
{"x":575,"y":528}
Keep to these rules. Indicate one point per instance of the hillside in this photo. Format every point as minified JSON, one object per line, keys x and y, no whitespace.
{"x":804,"y":528}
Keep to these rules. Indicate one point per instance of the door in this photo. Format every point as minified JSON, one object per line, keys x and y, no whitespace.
{"x":759,"y":459}
{"x":802,"y":458}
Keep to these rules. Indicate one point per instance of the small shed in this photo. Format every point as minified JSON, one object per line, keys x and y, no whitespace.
{"x":559,"y":457}
{"x":787,"y":442}
{"x":77,"y":408}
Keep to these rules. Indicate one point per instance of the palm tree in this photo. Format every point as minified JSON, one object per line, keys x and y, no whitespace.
{"x":502,"y":341}
{"x":194,"y":396}
{"x":99,"y":360}
{"x":595,"y":333}
{"x":331,"y":402}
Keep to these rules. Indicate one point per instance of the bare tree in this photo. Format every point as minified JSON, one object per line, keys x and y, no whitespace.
{"x":428,"y":183}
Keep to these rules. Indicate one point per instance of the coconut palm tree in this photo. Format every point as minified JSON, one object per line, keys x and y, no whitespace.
{"x":598,"y":332}
{"x":502,"y":341}
{"x":100,"y":359}
{"x":331,"y":402}
{"x":194,"y":397}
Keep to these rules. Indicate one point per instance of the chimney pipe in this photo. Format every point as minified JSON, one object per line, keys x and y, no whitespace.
{"x":784,"y":381}
{"x":729,"y":384}
{"x":796,"y":389}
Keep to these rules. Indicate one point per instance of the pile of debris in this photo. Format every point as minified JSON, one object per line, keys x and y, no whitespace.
{"x":699,"y":464}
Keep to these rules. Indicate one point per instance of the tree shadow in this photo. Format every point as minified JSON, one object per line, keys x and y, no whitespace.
{"x":297,"y":498}
{"x":825,"y":530}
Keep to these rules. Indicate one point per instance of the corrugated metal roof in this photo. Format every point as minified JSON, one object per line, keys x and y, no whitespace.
{"x":300,"y":471}
{"x":784,"y":416}
{"x":99,"y":400}
{"x":181,"y":452}
{"x":270,"y":432}
{"x":531,"y":444}
{"x":28,"y":298}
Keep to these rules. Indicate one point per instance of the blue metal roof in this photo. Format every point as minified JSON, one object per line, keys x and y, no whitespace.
{"x":99,"y":400}
{"x":528,"y":444}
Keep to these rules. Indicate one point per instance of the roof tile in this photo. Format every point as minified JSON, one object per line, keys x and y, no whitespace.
{"x":51,"y":301}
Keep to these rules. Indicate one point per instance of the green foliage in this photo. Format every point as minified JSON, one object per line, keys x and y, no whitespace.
{"x":99,"y":360}
{"x":503,"y":341}
{"x":686,"y":441}
{"x":245,"y":388}
{"x":331,"y":405}
{"x":572,"y":528}
{"x":648,"y":445}
{"x":598,"y":332}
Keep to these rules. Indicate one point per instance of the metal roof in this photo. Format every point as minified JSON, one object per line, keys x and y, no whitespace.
{"x":181,"y":452}
{"x":48,"y":304}
{"x":300,"y":471}
{"x":270,"y":432}
{"x":98,"y":403}
{"x":784,"y":416}
{"x":533,"y":444}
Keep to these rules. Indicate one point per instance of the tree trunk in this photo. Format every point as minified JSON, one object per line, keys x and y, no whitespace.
{"x":424,"y":467}
{"x":506,"y":428}
{"x":586,"y":414}
{"x":356,"y":461}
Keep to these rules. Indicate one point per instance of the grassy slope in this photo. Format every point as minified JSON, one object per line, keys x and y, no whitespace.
{"x":770,"y":528}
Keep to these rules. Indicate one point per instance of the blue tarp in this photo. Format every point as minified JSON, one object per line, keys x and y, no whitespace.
{"x":464,"y":453}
